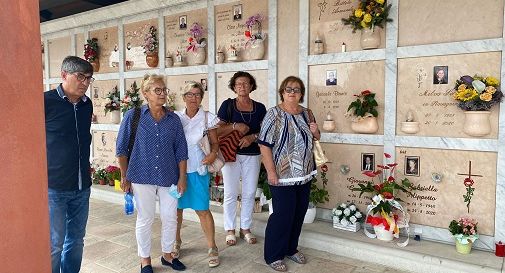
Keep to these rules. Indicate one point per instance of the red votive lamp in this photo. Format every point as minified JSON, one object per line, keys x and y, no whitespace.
{"x":500,"y":249}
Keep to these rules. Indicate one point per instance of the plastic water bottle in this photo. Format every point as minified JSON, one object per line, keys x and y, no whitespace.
{"x":128,"y":203}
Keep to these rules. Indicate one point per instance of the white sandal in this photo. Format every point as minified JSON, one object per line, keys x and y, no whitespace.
{"x":213,"y":258}
{"x":231,"y":238}
{"x":248,"y":237}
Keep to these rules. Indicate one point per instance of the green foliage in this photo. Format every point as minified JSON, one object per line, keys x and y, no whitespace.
{"x":364,"y":104}
{"x":99,"y":174}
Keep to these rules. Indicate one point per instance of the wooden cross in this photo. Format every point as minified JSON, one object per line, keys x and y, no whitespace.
{"x":470,"y":189}
{"x":470,"y":171}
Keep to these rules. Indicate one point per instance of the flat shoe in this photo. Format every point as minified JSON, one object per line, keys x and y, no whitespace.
{"x":213,"y":258}
{"x":175,"y":264}
{"x":248,"y":237}
{"x":298,"y":257}
{"x":278,"y":265}
{"x":231,"y":239}
{"x":146,"y":269}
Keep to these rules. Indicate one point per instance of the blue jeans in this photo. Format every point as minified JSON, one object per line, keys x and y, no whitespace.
{"x":68,"y":215}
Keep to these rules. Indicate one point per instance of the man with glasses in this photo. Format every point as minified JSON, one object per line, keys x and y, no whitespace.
{"x":68,"y":114}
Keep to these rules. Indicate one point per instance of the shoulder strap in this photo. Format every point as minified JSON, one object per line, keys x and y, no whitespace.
{"x":229,"y":110}
{"x":205,"y":125}
{"x":133,"y":133}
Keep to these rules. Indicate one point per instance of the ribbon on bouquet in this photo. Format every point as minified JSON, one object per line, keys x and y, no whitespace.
{"x":194,"y":46}
{"x":386,"y":220}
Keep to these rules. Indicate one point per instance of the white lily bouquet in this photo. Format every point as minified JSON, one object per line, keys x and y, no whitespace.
{"x":347,"y":217}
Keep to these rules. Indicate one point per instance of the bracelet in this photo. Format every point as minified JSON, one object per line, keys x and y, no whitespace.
{"x":233,"y":126}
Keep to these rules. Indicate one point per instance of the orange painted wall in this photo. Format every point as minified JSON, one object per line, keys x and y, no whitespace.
{"x":24,"y":222}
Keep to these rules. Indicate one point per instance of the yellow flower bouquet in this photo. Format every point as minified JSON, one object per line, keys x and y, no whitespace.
{"x":477,"y":93}
{"x":370,"y":13}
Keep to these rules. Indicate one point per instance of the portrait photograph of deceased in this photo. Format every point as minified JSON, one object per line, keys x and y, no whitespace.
{"x":412,"y":165}
{"x":440,"y":75}
{"x":237,"y":12}
{"x":331,"y":77}
{"x":368,"y":162}
{"x":183,"y":22}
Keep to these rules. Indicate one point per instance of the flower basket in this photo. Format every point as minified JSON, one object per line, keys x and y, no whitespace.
{"x":370,"y":38}
{"x":367,"y":125}
{"x":349,"y":227}
{"x":197,"y":43}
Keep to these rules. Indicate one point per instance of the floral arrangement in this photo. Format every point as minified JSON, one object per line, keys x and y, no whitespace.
{"x":112,"y":101}
{"x":99,"y":176}
{"x":196,"y":40}
{"x":132,"y":98}
{"x":151,"y":41}
{"x":252,"y":21}
{"x":347,"y":214}
{"x":91,"y":50}
{"x":363,"y":107}
{"x":464,"y":230}
{"x":113,"y":173}
{"x":385,"y":197}
{"x":319,"y":195}
{"x":171,"y":101}
{"x":370,"y":13}
{"x":477,"y":93}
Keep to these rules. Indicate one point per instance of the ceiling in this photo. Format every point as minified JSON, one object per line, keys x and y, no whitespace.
{"x":53,"y":9}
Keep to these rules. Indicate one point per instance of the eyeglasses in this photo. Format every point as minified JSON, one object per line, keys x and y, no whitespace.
{"x":290,"y":90}
{"x":81,"y":77}
{"x":158,"y":91}
{"x":192,"y":95}
{"x":244,"y":84}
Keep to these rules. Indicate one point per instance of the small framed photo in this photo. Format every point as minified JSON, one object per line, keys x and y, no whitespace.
{"x":367,"y":162}
{"x":331,"y":77}
{"x":237,"y":12}
{"x":440,"y":75}
{"x":412,"y":165}
{"x":183,"y":22}
{"x":203,"y":82}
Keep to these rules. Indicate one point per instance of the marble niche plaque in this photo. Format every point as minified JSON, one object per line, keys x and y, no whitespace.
{"x":135,"y":58}
{"x":98,"y":94}
{"x":176,"y":85}
{"x":104,"y":148}
{"x":326,"y":96}
{"x":260,"y":94}
{"x":108,"y":49}
{"x":432,"y":104}
{"x":341,"y":181}
{"x":59,"y":48}
{"x":426,"y":22}
{"x":230,"y":29}
{"x":435,"y":203}
{"x":177,"y":34}
{"x":325,"y":23}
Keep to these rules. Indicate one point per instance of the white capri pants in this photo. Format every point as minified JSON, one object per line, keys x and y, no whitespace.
{"x":247,"y":167}
{"x":145,"y":200}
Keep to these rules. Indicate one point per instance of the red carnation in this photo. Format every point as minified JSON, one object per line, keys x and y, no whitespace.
{"x":391,"y":179}
{"x":324,"y":168}
{"x":190,"y":40}
{"x":247,"y":34}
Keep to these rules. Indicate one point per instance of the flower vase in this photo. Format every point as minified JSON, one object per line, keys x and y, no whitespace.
{"x":114,"y":117}
{"x":169,"y":62}
{"x":219,"y":57}
{"x":382,"y":233}
{"x":463,"y":248}
{"x":477,"y":123}
{"x":111,"y":182}
{"x":255,"y":50}
{"x":370,"y":38}
{"x":95,"y":64}
{"x":366,"y":125}
{"x":117,"y":185}
{"x":197,"y":56}
{"x":152,"y":59}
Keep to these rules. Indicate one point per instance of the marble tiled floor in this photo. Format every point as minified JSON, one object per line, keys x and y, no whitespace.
{"x":110,"y":246}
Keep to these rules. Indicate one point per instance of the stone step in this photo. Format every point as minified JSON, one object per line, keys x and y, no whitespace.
{"x":419,"y":256}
